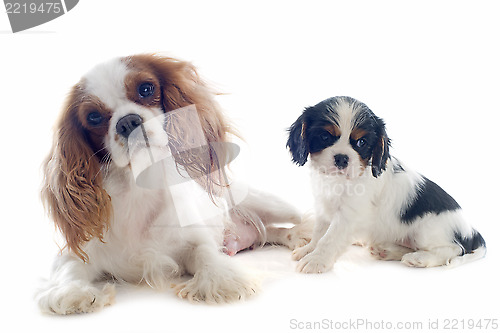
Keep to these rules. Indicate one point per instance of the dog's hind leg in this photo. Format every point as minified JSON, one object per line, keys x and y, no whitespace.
{"x":256,"y":221}
{"x":437,"y":256}
{"x":388,"y":251}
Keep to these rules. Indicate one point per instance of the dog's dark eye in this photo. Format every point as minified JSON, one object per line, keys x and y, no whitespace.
{"x":146,"y":89}
{"x":325,"y":136}
{"x":94,"y":118}
{"x":360,"y":143}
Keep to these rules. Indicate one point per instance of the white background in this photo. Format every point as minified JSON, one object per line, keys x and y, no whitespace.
{"x":429,"y":68}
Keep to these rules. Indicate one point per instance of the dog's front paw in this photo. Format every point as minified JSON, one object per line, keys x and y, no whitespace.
{"x":218,"y":287}
{"x":75,"y":297}
{"x":313,"y":263}
{"x":301,"y":252}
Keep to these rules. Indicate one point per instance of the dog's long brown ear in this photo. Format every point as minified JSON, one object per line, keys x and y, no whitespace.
{"x":380,"y":152}
{"x":181,"y":87}
{"x":72,"y":191}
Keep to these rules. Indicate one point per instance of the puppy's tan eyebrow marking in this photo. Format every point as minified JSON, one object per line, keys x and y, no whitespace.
{"x":333,"y":129}
{"x":357,"y":134}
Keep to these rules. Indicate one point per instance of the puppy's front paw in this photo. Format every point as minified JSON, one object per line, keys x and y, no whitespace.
{"x":218,"y":287}
{"x":301,"y":252}
{"x":313,"y":263}
{"x":75,"y":297}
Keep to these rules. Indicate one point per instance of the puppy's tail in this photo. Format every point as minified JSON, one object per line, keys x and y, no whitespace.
{"x":473,"y":248}
{"x":477,"y":254}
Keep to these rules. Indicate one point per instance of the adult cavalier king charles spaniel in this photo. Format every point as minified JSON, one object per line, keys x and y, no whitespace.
{"x":114,"y":226}
{"x":365,"y":195}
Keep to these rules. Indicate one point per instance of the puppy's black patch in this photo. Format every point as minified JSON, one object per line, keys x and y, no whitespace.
{"x":469,"y":244}
{"x":430,"y":199}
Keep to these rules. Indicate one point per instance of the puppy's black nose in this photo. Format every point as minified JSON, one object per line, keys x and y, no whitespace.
{"x":127,"y":124}
{"x":341,"y":161}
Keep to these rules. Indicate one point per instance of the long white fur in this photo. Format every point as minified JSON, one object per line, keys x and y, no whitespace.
{"x":352,"y":206}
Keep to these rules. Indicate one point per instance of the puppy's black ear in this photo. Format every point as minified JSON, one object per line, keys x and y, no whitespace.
{"x":380,"y":152}
{"x":297,"y":142}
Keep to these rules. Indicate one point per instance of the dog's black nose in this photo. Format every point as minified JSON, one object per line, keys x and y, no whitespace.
{"x":341,"y":161}
{"x":127,"y":124}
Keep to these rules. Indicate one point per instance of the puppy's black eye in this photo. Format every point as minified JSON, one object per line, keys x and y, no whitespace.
{"x":146,"y":89}
{"x":325,"y":136}
{"x":360,"y":143}
{"x":94,"y":118}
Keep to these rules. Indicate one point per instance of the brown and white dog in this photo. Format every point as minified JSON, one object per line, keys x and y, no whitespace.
{"x":113,"y":226}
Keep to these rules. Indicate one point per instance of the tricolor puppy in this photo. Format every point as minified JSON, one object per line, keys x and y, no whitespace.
{"x":363,"y":194}
{"x":114,"y":227}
